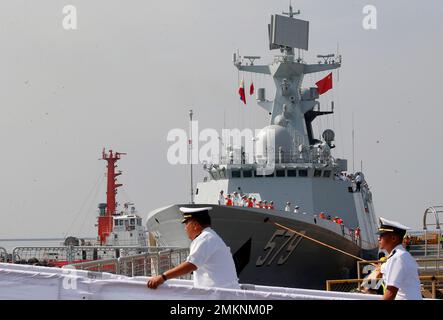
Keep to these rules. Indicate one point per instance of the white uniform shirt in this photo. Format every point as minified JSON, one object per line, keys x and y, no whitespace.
{"x":401,"y":271}
{"x":214,"y":262}
{"x":221,"y":199}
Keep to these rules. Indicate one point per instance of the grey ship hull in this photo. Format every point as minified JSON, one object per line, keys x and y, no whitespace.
{"x":265,"y":254}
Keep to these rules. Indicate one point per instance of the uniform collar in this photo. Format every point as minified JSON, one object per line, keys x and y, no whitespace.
{"x":399,"y":247}
{"x":207,"y":229}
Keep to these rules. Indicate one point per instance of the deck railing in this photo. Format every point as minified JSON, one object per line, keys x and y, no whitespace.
{"x":3,"y":255}
{"x":310,"y":156}
{"x":78,"y":253}
{"x":145,"y":264}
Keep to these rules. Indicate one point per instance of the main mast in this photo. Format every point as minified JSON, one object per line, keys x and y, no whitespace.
{"x":293,"y":107}
{"x":105,"y":221}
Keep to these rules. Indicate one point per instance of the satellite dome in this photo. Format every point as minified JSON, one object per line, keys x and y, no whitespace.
{"x":280,"y":120}
{"x":282,"y":138}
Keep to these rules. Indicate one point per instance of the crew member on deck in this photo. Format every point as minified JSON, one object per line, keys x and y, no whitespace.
{"x":400,"y":272}
{"x":288,"y":206}
{"x":229,"y":201}
{"x":221,"y":198}
{"x":358,"y":181}
{"x":236,"y":199}
{"x":244,"y":201}
{"x":209,"y":257}
{"x":250,"y":202}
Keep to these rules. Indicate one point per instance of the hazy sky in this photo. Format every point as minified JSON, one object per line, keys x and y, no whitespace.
{"x":132,"y":69}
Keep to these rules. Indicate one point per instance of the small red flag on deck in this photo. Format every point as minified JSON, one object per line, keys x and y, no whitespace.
{"x":325,"y":84}
{"x":251,"y":89}
{"x":241,"y":92}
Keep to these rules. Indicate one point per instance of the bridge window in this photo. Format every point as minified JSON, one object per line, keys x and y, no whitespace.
{"x":235,"y":173}
{"x":256,"y":174}
{"x":317,"y":173}
{"x":280,"y":173}
{"x":327,"y":173}
{"x":303,"y":173}
{"x":292,"y":173}
{"x":132,"y":222}
{"x":115,"y":222}
{"x":247,"y":173}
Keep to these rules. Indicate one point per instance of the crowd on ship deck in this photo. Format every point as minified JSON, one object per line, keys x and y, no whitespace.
{"x":356,"y":180}
{"x":240,"y":199}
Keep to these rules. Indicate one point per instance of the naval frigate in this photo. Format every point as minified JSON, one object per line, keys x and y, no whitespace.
{"x":304,"y":172}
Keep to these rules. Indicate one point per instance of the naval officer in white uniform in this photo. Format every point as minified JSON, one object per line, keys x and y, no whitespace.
{"x":400,"y":272}
{"x":209,"y":257}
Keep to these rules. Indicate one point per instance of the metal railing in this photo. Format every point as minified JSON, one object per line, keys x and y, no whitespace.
{"x":314,"y":156}
{"x":145,"y":264}
{"x":3,"y":255}
{"x":431,"y":286}
{"x":435,"y":211}
{"x":344,"y":285}
{"x":421,"y":250}
{"x":77,"y":253}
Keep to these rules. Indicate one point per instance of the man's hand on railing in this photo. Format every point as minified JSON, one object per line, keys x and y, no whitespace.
{"x":154,"y":282}
{"x":180,"y":270}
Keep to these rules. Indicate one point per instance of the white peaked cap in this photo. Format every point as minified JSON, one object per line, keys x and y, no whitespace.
{"x":391,"y":226}
{"x":395,"y":224}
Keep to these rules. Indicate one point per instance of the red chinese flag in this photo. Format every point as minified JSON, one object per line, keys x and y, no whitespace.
{"x":325,"y":84}
{"x":251,"y":89}
{"x":241,"y":92}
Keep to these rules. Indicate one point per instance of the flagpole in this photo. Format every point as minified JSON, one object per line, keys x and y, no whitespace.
{"x":353,"y":145}
{"x":190,"y":154}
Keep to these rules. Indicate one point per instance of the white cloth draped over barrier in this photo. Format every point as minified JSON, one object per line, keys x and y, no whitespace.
{"x":34,"y":282}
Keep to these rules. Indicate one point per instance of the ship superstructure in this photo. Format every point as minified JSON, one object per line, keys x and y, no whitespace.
{"x":118,"y":228}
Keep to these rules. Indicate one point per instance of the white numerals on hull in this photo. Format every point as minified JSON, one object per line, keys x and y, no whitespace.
{"x":276,"y":245}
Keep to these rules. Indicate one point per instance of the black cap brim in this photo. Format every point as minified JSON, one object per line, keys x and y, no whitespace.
{"x":186,"y":218}
{"x":383,"y":231}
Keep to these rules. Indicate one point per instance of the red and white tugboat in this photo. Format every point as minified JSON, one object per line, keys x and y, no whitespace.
{"x":119,"y":232}
{"x":124,"y":228}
